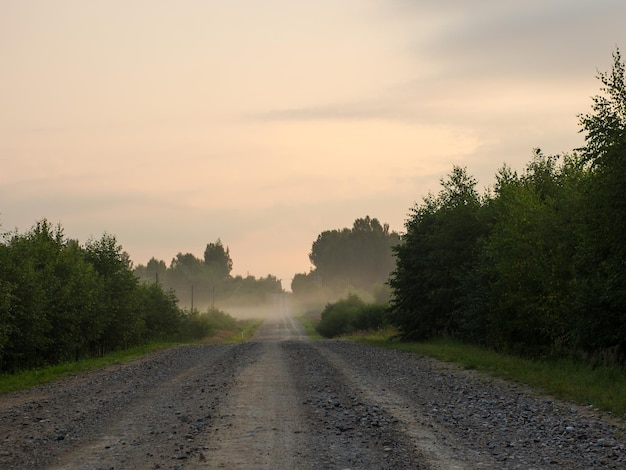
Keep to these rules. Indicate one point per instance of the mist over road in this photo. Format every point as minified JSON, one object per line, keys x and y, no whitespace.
{"x":281,"y":401}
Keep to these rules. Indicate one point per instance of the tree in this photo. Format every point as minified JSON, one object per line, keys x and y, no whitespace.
{"x":217,"y":259}
{"x":605,"y":127}
{"x":433,"y":256}
{"x":48,"y":290}
{"x":359,"y":257}
{"x":163,"y":318}
{"x":72,"y":305}
{"x":6,"y":319}
{"x":525,"y":269}
{"x":156,"y":269}
{"x":304,"y":285}
{"x":601,"y":258}
{"x":330,"y":257}
{"x":118,"y":303}
{"x":187,"y":276}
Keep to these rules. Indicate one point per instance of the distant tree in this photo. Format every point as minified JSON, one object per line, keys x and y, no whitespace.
{"x":186,"y":262}
{"x":203,"y":282}
{"x":184,"y":268}
{"x":330,"y":257}
{"x":156,"y":269}
{"x":304,"y":285}
{"x":359,"y":257}
{"x":217,"y":259}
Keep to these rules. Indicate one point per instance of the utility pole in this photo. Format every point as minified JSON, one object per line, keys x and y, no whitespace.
{"x":192,"y":297}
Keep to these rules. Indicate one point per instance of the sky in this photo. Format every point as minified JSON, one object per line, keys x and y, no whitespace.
{"x":170,"y":124}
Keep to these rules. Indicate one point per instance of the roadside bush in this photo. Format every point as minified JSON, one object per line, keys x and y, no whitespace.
{"x":351,"y":314}
{"x":197,"y":325}
{"x":338,"y":318}
{"x":162,"y":315}
{"x":220,"y":320}
{"x":371,"y":317}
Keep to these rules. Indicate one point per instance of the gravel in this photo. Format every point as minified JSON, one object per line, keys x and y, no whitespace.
{"x":350,"y":406}
{"x":507,"y":424}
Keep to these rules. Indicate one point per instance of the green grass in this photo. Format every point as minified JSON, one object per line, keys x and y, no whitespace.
{"x":603,"y":388}
{"x":30,"y":378}
{"x":309,"y":326}
{"x":244,"y":334}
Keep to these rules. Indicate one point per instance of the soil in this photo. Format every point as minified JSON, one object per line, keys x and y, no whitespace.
{"x":281,"y":401}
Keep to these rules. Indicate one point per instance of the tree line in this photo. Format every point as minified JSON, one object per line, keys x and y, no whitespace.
{"x":207,"y":281}
{"x":62,"y":301}
{"x":535,"y":265}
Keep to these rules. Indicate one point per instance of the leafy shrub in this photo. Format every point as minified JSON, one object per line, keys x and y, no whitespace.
{"x":351,"y":314}
{"x":220,"y":320}
{"x":197,"y":325}
{"x":371,"y":317}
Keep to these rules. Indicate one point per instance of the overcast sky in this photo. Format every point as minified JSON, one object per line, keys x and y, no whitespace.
{"x":170,"y":124}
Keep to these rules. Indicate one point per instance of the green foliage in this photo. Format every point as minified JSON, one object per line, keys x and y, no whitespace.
{"x":438,"y":248}
{"x":221,"y":320}
{"x":60,"y":301}
{"x":197,"y":325}
{"x":47,"y":286}
{"x":29,"y":378}
{"x":537,"y":266}
{"x":118,"y":301}
{"x":338,"y":318}
{"x":5,"y":313}
{"x":310,"y":325}
{"x":605,"y":127}
{"x":360,"y":258}
{"x":371,"y":317}
{"x":161,"y":314}
{"x":600,"y":266}
{"x":350,"y":314}
{"x":527,"y":257}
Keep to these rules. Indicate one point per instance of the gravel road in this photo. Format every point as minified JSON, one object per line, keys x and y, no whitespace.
{"x":281,"y":401}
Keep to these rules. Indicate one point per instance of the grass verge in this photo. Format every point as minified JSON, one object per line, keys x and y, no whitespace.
{"x":245,"y":333}
{"x":309,"y":326}
{"x":30,"y":378}
{"x":603,"y":388}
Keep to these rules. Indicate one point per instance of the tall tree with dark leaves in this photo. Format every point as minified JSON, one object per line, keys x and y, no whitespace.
{"x":119,"y":300}
{"x":437,"y":249}
{"x":602,"y":254}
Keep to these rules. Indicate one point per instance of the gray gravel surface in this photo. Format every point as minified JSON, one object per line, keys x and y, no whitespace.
{"x":282,"y":401}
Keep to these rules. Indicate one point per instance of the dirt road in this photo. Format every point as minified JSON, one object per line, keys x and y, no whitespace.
{"x":281,"y":401}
